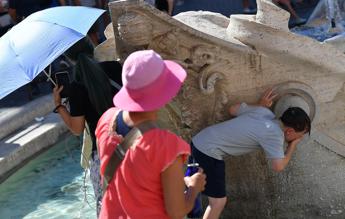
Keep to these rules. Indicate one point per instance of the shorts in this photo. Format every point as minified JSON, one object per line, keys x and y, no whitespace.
{"x":215,"y":173}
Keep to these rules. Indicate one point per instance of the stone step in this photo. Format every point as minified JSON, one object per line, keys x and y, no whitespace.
{"x":19,"y":147}
{"x":12,"y":119}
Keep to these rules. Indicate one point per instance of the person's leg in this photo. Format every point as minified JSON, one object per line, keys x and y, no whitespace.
{"x":162,"y":5}
{"x":247,"y":9}
{"x":215,"y":185}
{"x":214,"y":208}
{"x":291,"y":10}
{"x":288,"y":5}
{"x":245,"y":3}
{"x":171,"y":7}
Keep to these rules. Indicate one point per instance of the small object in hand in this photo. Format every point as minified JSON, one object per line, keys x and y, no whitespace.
{"x":197,"y":211}
{"x":192,"y":168}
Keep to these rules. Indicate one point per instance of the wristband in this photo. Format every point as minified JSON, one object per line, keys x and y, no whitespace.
{"x":57,"y":107}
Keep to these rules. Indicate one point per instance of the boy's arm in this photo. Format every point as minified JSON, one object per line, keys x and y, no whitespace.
{"x":266,"y":100}
{"x":279,"y":165}
{"x":233,"y":110}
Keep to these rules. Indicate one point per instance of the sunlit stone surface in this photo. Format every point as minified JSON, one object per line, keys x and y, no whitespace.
{"x":236,"y":59}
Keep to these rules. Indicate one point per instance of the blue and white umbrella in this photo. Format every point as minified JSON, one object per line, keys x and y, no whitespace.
{"x":30,"y":46}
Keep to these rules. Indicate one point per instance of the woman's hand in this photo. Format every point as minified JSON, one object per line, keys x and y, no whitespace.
{"x":56,"y":93}
{"x":197,"y":181}
{"x":178,"y":202}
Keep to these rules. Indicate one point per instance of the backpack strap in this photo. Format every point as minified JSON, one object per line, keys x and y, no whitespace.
{"x":121,"y":149}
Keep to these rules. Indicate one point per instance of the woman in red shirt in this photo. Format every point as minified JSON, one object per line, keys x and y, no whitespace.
{"x":149,"y":183}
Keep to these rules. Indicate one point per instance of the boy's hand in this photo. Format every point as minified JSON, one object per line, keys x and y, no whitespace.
{"x":267,"y":98}
{"x":296,"y":141}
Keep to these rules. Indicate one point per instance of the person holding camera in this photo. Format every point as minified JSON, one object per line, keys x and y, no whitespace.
{"x":88,"y":96}
{"x":149,"y":181}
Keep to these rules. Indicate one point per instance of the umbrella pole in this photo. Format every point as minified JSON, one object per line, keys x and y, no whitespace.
{"x":49,"y":77}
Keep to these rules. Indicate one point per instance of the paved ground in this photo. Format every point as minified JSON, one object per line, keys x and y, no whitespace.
{"x":21,"y":97}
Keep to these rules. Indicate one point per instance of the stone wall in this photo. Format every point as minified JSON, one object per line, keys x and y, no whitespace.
{"x":236,"y":59}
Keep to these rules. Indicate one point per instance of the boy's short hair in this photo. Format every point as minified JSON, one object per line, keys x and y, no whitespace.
{"x":296,"y":118}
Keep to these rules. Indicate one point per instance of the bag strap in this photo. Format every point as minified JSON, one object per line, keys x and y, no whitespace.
{"x":121,"y":149}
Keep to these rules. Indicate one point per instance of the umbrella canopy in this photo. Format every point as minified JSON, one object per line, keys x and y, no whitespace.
{"x":30,"y":46}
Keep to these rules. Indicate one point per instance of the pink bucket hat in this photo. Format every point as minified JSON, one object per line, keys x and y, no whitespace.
{"x":149,"y":82}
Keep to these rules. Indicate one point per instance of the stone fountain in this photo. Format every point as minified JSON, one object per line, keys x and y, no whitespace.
{"x":236,"y":59}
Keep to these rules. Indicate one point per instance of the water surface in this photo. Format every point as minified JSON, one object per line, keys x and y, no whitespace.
{"x":50,"y":186}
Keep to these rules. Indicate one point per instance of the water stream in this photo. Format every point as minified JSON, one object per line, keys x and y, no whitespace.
{"x":50,"y":186}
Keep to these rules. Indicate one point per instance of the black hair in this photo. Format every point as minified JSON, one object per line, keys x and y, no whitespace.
{"x":296,"y":118}
{"x":113,"y":69}
{"x":91,"y":75}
